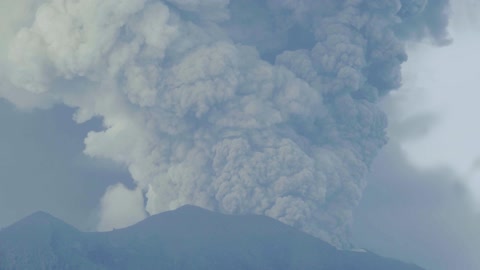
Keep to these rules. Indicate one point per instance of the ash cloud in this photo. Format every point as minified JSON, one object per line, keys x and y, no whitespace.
{"x":265,"y":107}
{"x":431,"y":21}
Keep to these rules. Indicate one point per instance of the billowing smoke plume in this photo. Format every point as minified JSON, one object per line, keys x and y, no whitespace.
{"x":241,"y":106}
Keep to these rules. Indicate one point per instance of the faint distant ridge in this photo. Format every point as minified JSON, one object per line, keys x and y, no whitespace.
{"x":39,"y":220}
{"x":35,"y":227}
{"x":187,"y":238}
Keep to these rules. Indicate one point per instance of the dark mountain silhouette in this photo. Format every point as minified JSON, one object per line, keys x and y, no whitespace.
{"x":187,"y":238}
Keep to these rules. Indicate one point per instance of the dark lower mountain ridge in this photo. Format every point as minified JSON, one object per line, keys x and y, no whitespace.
{"x":189,"y":238}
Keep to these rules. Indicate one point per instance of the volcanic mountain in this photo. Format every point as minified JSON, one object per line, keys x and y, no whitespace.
{"x":189,"y":238}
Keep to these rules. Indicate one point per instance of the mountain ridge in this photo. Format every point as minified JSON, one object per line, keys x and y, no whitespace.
{"x":187,"y":238}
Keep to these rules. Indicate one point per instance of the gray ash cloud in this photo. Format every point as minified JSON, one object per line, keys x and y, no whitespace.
{"x":242,"y":106}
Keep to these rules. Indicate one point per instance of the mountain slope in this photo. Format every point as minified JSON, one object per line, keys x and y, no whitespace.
{"x":41,"y":241}
{"x":184,"y":239}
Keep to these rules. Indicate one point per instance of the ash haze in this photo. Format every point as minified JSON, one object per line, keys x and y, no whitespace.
{"x":444,"y":83}
{"x":423,"y":198}
{"x":244,"y":106}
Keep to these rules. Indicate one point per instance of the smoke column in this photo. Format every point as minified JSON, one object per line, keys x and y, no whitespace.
{"x":241,"y":106}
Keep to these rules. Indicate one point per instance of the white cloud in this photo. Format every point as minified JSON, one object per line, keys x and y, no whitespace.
{"x":120,"y":207}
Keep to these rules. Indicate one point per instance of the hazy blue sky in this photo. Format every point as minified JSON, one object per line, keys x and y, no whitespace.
{"x":43,"y":167}
{"x":424,"y":188}
{"x":186,"y":127}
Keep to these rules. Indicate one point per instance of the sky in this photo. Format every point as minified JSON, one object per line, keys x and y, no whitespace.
{"x":102,"y":136}
{"x":424,"y":193}
{"x":431,"y":90}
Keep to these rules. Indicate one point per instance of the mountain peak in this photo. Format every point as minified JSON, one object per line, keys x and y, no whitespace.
{"x":189,"y":208}
{"x":40,"y":220}
{"x":40,"y":215}
{"x":187,"y":238}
